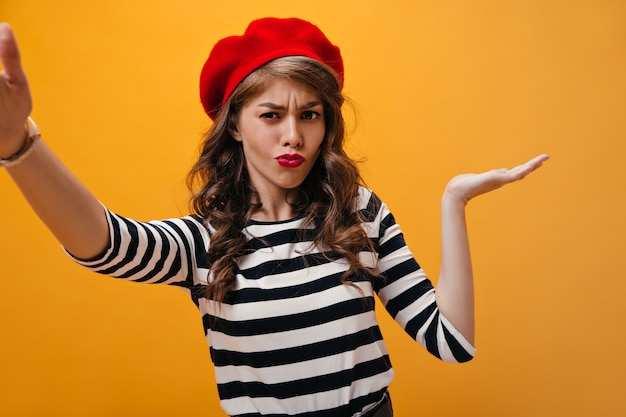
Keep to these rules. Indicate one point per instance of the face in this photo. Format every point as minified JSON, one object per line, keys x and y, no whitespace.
{"x":281,"y":130}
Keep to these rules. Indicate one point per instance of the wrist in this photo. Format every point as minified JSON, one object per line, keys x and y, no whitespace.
{"x":30,"y":137}
{"x":12,"y":142}
{"x":450,"y":199}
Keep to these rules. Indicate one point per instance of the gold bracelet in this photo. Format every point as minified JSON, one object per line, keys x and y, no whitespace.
{"x":32,"y":136}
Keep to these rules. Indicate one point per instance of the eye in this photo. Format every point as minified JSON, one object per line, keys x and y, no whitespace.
{"x":269,"y":115}
{"x":310,"y":115}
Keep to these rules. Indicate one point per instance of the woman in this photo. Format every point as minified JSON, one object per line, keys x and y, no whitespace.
{"x":285,"y":248}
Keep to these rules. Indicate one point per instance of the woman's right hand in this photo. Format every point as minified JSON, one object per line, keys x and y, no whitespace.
{"x":65,"y":205}
{"x":15,"y":99}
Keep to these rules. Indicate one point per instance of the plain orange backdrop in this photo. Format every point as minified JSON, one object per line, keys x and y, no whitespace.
{"x":441,"y":87}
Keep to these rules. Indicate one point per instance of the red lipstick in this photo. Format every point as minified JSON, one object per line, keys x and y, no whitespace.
{"x":291,"y":160}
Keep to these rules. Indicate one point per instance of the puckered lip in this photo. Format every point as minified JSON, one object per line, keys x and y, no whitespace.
{"x":290,"y":160}
{"x":291,"y":157}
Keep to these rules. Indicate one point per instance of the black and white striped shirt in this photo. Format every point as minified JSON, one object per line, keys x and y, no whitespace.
{"x":291,"y":339}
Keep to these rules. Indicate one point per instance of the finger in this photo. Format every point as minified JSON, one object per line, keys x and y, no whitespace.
{"x":537,"y":161}
{"x":10,"y":55}
{"x":521,"y":171}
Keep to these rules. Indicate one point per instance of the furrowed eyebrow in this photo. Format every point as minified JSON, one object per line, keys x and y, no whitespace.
{"x":310,"y":105}
{"x":275,"y":106}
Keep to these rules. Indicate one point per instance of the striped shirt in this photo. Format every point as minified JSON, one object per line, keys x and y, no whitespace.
{"x":291,"y":339}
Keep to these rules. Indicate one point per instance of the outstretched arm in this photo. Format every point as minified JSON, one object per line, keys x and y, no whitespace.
{"x":70,"y":211}
{"x":455,"y":289}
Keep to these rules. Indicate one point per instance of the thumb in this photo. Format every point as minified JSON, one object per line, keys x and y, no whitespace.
{"x":10,"y":55}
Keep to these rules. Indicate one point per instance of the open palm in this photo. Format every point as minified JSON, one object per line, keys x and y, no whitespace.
{"x":467,"y":186}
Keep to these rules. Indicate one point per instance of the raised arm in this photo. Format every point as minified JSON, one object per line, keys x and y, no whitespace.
{"x":455,"y":290}
{"x":70,"y":211}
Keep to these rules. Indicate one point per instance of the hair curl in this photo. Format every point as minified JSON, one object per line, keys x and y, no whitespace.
{"x":326,"y":198}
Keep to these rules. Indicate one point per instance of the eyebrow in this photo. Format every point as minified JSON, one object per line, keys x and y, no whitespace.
{"x":275,"y":106}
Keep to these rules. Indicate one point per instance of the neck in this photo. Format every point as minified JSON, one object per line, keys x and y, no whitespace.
{"x":272,"y":215}
{"x":275,"y":208}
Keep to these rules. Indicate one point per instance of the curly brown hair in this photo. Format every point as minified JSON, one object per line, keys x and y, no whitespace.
{"x":224,"y":196}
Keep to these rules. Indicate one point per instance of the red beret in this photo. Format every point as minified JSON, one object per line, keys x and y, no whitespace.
{"x":233,"y":58}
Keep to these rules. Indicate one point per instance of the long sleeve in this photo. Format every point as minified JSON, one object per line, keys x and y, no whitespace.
{"x":406,"y":291}
{"x":163,"y":252}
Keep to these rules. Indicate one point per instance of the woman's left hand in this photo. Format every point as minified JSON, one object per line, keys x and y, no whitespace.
{"x":455,"y":288}
{"x":464,"y":187}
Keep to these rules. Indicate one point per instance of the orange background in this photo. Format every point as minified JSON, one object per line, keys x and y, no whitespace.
{"x":441,"y":87}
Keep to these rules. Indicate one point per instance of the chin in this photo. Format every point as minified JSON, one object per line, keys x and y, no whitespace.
{"x":291,"y":184}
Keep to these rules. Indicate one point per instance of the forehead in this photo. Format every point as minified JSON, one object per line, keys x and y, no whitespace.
{"x":280,"y":90}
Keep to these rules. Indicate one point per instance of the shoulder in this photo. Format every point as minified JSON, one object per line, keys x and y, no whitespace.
{"x":189,"y":223}
{"x":368,"y":204}
{"x":188,"y":227}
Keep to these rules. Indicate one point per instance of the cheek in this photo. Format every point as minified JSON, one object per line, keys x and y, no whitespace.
{"x":256,"y":146}
{"x":319,"y":135}
{"x":253,"y":136}
{"x":318,"y":151}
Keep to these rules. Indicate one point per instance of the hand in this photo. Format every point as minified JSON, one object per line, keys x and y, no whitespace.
{"x":467,"y":186}
{"x":15,"y":99}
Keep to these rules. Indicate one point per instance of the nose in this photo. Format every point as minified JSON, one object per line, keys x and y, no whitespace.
{"x":292,"y":137}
